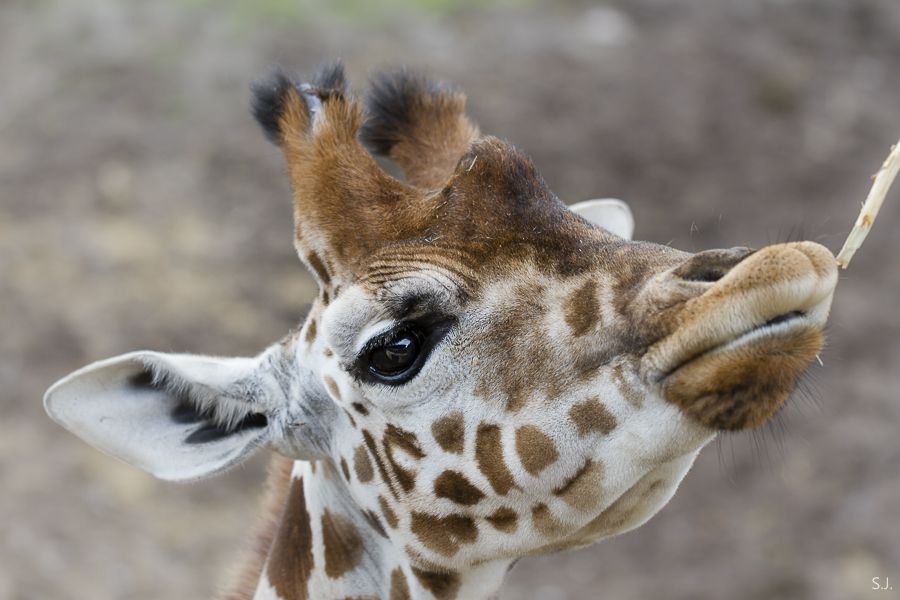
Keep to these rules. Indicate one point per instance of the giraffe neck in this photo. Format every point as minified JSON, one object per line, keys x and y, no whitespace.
{"x":326,"y":546}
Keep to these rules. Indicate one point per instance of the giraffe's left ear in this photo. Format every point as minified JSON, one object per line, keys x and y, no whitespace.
{"x":176,"y":416}
{"x":609,"y":213}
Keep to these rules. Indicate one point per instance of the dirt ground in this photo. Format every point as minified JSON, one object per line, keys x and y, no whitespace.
{"x":140,"y":207}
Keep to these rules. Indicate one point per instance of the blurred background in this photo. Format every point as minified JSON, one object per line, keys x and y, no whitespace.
{"x":140,"y":207}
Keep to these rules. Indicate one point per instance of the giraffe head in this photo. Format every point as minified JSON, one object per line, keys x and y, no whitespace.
{"x":490,"y":374}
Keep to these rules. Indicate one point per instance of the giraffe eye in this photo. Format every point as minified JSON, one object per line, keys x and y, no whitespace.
{"x":394,"y":358}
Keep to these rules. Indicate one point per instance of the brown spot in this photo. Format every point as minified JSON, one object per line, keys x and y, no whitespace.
{"x":444,"y":535}
{"x":343,"y":546}
{"x":362,"y":465}
{"x":489,"y":454}
{"x":344,"y":469}
{"x":503,"y":519}
{"x":582,"y":310}
{"x":444,"y":586}
{"x":374,"y":522}
{"x":332,"y":386}
{"x":545,"y":522}
{"x":360,"y":408}
{"x":590,"y":416}
{"x":449,"y":432}
{"x":327,"y":352}
{"x":350,"y":417}
{"x":405,"y":440}
{"x":389,"y":515}
{"x":318,"y":267}
{"x":582,"y":490}
{"x":399,"y":586}
{"x":397,"y":438}
{"x":382,"y":471}
{"x":291,"y":559}
{"x":535,"y":448}
{"x":311,"y":331}
{"x":455,"y":487}
{"x":629,"y":392}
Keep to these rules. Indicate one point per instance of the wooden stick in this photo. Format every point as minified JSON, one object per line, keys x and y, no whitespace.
{"x":883,"y":180}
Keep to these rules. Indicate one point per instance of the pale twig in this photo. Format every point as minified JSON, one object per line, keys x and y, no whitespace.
{"x":883,"y":180}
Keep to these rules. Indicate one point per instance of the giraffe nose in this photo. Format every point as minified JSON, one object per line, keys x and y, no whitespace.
{"x":710,"y":266}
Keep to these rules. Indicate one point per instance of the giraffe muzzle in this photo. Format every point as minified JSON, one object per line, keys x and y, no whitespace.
{"x":737,"y":349}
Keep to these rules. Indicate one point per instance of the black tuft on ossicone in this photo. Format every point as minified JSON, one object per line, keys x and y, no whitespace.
{"x":270,"y":93}
{"x":391,"y":105}
{"x":331,"y":78}
{"x":267,"y":105}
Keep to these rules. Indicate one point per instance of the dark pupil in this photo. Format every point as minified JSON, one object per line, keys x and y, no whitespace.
{"x":395,"y":357}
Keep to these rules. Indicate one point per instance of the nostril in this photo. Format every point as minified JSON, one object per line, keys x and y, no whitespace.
{"x":711,"y":265}
{"x":707,"y":275}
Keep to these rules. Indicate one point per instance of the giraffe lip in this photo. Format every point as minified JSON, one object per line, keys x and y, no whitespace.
{"x":773,"y":293}
{"x":778,"y":326}
{"x":742,"y":383}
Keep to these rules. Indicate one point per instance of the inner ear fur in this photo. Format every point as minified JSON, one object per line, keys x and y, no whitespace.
{"x":176,"y":416}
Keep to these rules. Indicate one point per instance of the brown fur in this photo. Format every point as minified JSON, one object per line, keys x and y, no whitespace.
{"x":449,"y":432}
{"x":489,"y":454}
{"x":332,"y":386}
{"x":291,"y":559}
{"x":443,"y":585}
{"x":443,"y":535}
{"x":389,"y":515}
{"x":592,"y":416}
{"x":503,"y":519}
{"x":399,"y":586}
{"x":455,"y":487}
{"x":545,"y":521}
{"x":629,"y":392}
{"x":362,"y":465}
{"x":582,"y":490}
{"x":405,"y":441}
{"x":382,"y":471}
{"x":343,"y":544}
{"x":311,"y":331}
{"x":514,"y":336}
{"x":582,"y":308}
{"x":535,"y":449}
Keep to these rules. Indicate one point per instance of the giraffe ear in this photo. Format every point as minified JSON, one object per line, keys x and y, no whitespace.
{"x":176,"y":416}
{"x":609,"y":213}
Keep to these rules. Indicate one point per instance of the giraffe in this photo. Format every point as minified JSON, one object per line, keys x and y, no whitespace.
{"x":484,"y":374}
